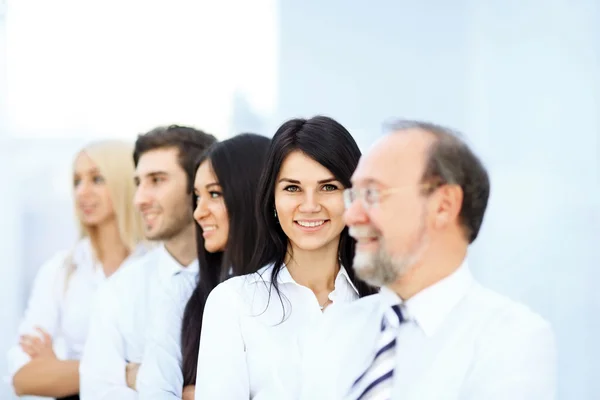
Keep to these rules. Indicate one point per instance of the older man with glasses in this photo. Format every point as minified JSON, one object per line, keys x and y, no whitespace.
{"x":417,"y":203}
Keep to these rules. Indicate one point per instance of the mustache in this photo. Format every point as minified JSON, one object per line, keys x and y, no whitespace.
{"x":363,"y":231}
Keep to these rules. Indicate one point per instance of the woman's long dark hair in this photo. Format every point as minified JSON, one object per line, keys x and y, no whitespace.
{"x":327,"y":142}
{"x":237,"y":164}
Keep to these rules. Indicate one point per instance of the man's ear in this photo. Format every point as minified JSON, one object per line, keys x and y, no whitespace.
{"x":447,"y":205}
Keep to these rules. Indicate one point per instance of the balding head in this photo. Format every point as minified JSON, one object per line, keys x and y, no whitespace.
{"x":396,"y":159}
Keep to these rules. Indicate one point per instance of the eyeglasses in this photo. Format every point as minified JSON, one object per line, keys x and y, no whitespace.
{"x":371,"y":197}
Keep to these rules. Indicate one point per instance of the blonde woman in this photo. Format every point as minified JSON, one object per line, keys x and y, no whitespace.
{"x":45,"y":361}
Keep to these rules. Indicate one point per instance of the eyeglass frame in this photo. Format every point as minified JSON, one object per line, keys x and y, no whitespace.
{"x":381,"y":194}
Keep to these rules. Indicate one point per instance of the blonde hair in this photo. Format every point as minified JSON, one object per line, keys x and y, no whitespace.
{"x":114,"y":160}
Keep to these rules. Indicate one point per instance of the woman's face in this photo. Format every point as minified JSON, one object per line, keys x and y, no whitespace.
{"x":92,"y":198}
{"x":210,"y":212}
{"x":309,"y":203}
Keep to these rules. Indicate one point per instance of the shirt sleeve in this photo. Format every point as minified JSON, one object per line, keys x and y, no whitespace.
{"x":518,"y":362}
{"x":160,"y":375}
{"x":102,"y":366}
{"x":43,"y":310}
{"x":222,"y":370}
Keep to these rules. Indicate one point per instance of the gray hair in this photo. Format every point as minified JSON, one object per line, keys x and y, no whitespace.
{"x":451,"y":161}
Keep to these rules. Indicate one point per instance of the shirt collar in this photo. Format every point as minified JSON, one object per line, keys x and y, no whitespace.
{"x":430,"y":307}
{"x":343,"y":276}
{"x":265,"y":274}
{"x":284,"y":276}
{"x":169,"y":267}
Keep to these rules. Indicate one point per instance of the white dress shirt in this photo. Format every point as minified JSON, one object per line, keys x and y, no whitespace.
{"x":460,"y":341}
{"x":160,"y":376}
{"x":62,"y":311}
{"x":248,"y":349}
{"x":120,"y":322}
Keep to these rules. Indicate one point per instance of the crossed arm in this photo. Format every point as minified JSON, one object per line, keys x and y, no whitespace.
{"x":45,"y":374}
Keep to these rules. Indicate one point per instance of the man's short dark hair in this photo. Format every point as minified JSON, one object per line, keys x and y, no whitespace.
{"x":451,"y":161}
{"x":189,"y":142}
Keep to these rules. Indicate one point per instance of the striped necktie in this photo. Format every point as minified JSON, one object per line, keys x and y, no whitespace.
{"x":376,"y":382}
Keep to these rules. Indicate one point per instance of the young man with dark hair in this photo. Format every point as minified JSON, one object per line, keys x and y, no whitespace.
{"x":164,"y":160}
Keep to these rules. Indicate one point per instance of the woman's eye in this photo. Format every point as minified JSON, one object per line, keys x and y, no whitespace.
{"x":214,"y":195}
{"x":330,"y":188}
{"x":292,"y":188}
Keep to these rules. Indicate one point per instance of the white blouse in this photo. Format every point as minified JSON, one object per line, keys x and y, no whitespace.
{"x":248,"y":348}
{"x":62,"y":311}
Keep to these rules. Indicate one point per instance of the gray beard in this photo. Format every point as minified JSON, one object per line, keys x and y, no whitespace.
{"x":381,"y":269}
{"x":377,"y":269}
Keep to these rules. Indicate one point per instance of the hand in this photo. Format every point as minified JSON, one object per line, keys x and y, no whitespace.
{"x":131,"y":371}
{"x":189,"y":392}
{"x":38,"y":346}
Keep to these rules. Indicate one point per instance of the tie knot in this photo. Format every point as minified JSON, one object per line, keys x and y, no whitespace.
{"x":393,"y":317}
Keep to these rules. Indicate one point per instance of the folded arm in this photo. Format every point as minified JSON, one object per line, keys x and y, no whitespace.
{"x":103,"y":364}
{"x":160,"y":375}
{"x":33,"y":366}
{"x":47,"y":377}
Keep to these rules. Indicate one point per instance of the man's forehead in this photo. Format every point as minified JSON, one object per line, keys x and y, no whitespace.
{"x":164,"y":160}
{"x":394,"y":157}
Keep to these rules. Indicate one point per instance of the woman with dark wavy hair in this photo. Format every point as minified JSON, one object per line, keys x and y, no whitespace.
{"x":254,"y":324}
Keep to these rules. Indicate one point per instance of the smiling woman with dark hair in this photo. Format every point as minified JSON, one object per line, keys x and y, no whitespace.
{"x":254,"y":324}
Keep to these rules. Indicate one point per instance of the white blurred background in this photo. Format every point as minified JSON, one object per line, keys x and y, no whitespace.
{"x":520,"y":79}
